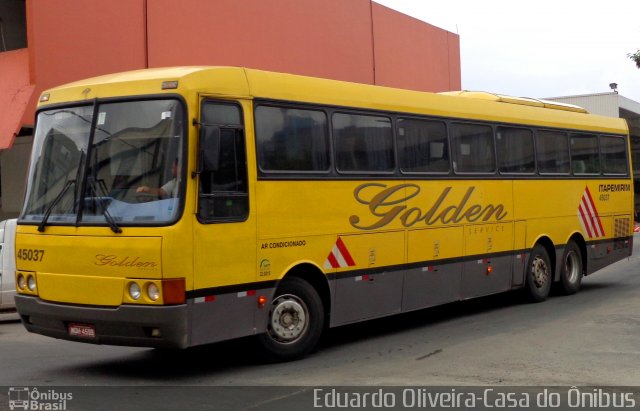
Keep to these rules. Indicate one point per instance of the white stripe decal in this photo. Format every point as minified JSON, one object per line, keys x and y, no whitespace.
{"x":584,"y":228}
{"x":339,"y":257}
{"x":593,"y":215}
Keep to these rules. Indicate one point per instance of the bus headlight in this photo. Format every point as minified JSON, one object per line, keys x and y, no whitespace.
{"x":21,"y":282}
{"x":134,"y":290}
{"x":153,"y":292}
{"x":31,"y":283}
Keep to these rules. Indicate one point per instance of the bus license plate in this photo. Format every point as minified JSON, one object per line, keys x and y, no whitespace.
{"x":82,"y":330}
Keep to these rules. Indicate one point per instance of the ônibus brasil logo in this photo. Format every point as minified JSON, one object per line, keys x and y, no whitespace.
{"x":25,"y":398}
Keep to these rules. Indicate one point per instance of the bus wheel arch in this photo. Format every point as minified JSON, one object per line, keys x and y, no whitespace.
{"x":314,"y":276}
{"x":297,"y":315}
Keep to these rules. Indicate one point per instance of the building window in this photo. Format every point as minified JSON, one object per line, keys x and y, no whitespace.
{"x":13,"y":25}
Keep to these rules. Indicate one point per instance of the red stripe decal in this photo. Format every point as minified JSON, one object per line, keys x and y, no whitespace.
{"x":584,"y":221}
{"x":333,"y":261}
{"x":345,"y":253}
{"x":597,"y":217}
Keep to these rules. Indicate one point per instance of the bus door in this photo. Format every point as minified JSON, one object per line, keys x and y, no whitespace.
{"x":225,"y":230}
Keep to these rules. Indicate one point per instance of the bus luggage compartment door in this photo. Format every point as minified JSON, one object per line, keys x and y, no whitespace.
{"x":489,"y":259}
{"x":434,"y":274}
{"x":371,"y":290}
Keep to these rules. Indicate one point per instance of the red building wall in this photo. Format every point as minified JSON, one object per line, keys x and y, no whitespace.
{"x":73,"y":39}
{"x":328,"y":38}
{"x":412,"y":54}
{"x":355,"y":40}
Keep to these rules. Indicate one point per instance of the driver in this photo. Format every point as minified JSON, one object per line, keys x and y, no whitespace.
{"x":168,"y":190}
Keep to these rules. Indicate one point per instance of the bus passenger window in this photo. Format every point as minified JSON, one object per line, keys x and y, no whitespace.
{"x":423,"y":146}
{"x":363,"y":143}
{"x":223,"y":193}
{"x":515,"y":150}
{"x":585,"y":158}
{"x":614,"y":155}
{"x":473,"y":147}
{"x":292,"y":140}
{"x":552,"y":152}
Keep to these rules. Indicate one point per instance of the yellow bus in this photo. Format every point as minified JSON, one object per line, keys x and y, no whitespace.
{"x":182,"y":206}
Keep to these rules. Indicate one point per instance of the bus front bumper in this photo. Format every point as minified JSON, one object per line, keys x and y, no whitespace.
{"x":130,"y":325}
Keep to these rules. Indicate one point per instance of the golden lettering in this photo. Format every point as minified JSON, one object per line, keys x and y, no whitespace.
{"x":110,"y":260}
{"x":388,"y":203}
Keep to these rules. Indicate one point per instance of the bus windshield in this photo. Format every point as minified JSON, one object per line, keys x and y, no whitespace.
{"x":109,"y":163}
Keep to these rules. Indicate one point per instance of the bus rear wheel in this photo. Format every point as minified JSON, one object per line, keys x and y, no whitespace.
{"x":539,"y":274}
{"x":295,"y":321}
{"x":571,"y":270}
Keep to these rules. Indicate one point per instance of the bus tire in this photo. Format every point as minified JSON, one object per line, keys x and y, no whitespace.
{"x":295,"y":322}
{"x":571,"y":270}
{"x":539,"y":275}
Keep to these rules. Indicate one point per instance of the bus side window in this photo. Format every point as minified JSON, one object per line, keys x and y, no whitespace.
{"x":515,"y":150}
{"x":473,"y":148}
{"x":613,"y":155}
{"x":552,"y":152}
{"x":585,"y":153}
{"x":223,"y":193}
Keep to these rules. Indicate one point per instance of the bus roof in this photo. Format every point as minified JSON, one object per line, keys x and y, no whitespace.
{"x":237,"y":82}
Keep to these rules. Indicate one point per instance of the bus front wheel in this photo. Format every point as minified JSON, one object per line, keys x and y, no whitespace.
{"x":539,"y":274}
{"x":295,"y":321}
{"x":571,"y":271}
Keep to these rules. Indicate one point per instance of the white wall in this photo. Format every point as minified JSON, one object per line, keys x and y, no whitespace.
{"x":605,"y":104}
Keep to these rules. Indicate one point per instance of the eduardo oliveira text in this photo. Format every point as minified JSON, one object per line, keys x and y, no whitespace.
{"x":472,"y":397}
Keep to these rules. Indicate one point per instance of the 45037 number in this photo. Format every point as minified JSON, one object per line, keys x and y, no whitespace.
{"x":30,"y":254}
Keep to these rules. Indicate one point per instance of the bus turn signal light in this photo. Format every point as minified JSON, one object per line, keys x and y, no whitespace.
{"x":262,"y":300}
{"x":489,"y":270}
{"x":173,"y":291}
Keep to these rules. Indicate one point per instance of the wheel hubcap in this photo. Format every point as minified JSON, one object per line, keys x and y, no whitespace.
{"x":540,"y":272}
{"x":289,"y":319}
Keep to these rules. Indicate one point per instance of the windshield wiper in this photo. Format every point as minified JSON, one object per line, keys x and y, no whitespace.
{"x":55,"y":201}
{"x":65,"y":188}
{"x":100,"y":198}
